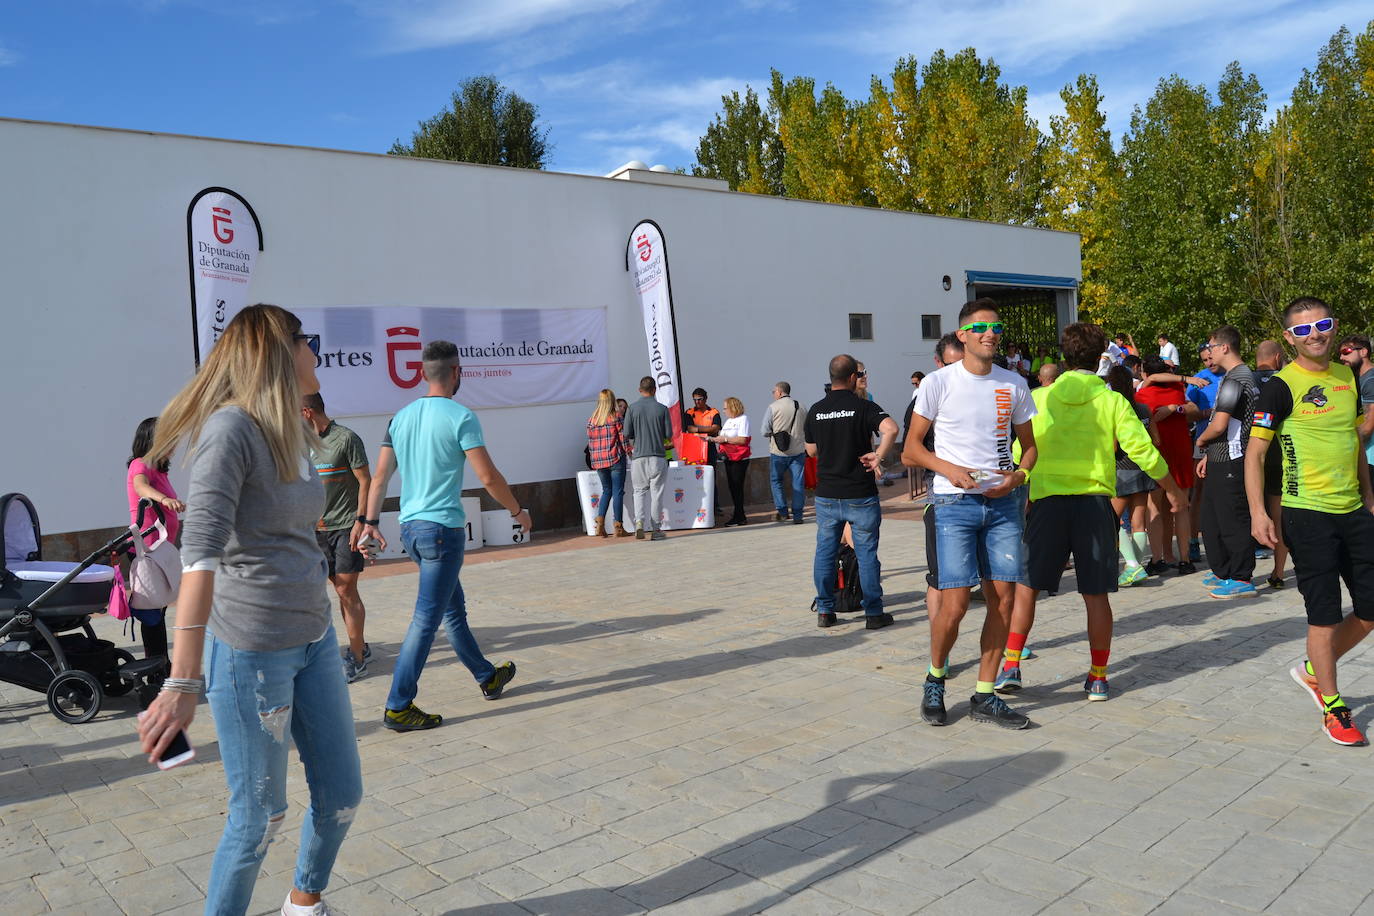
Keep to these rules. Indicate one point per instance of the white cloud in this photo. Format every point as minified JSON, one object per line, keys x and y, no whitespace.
{"x":440,"y":23}
{"x":1044,"y":34}
{"x":9,"y":58}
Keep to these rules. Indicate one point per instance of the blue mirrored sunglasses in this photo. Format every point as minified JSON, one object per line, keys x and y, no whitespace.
{"x":312,"y":341}
{"x":1321,"y":324}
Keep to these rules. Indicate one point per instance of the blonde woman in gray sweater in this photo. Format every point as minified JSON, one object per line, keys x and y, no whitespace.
{"x":253,"y":615}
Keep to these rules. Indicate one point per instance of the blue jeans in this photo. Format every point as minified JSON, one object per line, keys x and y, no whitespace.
{"x":864,"y":516}
{"x":612,"y":490}
{"x":977,"y":537}
{"x":256,"y":698}
{"x":777,"y":467}
{"x":439,"y":552}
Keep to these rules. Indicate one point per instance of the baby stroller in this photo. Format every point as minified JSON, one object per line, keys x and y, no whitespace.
{"x":41,"y":602}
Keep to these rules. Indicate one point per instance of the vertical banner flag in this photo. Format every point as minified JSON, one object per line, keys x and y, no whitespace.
{"x":646,"y":255}
{"x":224,"y":239}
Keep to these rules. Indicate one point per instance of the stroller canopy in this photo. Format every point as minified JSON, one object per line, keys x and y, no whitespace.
{"x":20,"y":536}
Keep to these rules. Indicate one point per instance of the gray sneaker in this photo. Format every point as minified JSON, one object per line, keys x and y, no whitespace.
{"x":658,"y":535}
{"x":353,"y":668}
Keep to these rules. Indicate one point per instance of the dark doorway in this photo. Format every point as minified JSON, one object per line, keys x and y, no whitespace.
{"x":1031,"y":315}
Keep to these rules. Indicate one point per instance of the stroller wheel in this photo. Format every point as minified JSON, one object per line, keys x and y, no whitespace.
{"x":116,"y":686}
{"x":74,"y":696}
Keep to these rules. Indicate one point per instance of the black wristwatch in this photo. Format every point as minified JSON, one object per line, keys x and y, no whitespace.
{"x":361,"y":518}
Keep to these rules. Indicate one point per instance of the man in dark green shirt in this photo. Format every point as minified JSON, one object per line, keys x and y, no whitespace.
{"x":341,"y":461}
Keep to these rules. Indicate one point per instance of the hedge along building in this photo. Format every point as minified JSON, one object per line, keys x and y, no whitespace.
{"x":97,"y":316}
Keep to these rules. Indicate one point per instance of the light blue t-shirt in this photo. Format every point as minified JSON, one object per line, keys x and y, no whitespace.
{"x":430,"y":438}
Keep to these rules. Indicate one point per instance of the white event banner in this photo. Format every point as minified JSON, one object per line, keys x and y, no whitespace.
{"x":225,"y":240}
{"x":369,"y":360}
{"x":647,"y":257}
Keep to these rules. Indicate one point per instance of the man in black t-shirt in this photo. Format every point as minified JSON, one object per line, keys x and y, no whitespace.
{"x":839,"y":435}
{"x":1225,"y":510}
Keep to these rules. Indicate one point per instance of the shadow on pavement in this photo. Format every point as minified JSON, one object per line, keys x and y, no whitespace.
{"x":919,"y":799}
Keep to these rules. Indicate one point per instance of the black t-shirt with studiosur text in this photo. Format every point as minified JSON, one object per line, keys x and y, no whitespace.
{"x":842,"y":425}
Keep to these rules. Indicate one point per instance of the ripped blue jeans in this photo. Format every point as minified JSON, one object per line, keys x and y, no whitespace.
{"x":262,"y":701}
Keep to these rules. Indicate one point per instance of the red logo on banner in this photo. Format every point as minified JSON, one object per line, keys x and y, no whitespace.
{"x":646,"y":250}
{"x":222,"y":224}
{"x":398,"y":347}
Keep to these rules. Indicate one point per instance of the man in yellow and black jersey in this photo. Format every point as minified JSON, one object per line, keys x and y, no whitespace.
{"x":1312,"y":408}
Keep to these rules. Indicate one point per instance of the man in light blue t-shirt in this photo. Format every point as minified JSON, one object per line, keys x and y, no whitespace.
{"x":429,"y":442}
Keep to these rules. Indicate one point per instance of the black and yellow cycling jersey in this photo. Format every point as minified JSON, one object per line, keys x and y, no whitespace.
{"x":1314,"y":418}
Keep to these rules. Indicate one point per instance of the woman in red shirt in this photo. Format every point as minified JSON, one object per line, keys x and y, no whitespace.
{"x":606,"y":455}
{"x":1172,"y":414}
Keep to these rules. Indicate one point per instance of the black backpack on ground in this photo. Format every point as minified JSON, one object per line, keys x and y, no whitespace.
{"x":849,"y":595}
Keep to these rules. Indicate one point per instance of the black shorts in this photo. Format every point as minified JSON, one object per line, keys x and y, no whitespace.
{"x":1082,"y":525}
{"x":932,"y":553}
{"x":1326,"y":548}
{"x":334,"y":544}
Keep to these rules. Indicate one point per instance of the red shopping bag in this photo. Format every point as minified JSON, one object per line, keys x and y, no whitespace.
{"x":809,"y":472}
{"x":692,"y":449}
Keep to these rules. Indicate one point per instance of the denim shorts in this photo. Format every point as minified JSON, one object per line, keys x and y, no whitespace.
{"x":978,"y":538}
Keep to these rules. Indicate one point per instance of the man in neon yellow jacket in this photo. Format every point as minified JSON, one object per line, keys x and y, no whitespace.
{"x":1079,"y":424}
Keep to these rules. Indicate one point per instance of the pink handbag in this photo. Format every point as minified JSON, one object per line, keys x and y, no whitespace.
{"x":119,"y":597}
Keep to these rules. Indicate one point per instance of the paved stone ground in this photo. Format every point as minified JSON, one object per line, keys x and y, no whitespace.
{"x":696,"y":748}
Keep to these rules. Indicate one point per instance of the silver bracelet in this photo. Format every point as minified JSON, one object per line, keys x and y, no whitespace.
{"x":192,"y":685}
{"x":190,"y":626}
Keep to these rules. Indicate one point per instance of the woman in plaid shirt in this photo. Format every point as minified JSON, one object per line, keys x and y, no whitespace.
{"x":606,"y":449}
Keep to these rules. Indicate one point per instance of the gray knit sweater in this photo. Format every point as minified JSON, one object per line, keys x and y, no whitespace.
{"x":258,"y":534}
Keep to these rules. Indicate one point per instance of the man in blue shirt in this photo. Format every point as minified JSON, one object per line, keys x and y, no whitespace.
{"x":429,"y":442}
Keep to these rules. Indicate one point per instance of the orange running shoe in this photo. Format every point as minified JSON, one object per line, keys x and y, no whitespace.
{"x":1340,"y":728}
{"x":1308,"y":683}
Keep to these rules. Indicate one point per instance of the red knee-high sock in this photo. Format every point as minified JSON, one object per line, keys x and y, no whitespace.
{"x":1099,"y":663}
{"x":1015,"y":643}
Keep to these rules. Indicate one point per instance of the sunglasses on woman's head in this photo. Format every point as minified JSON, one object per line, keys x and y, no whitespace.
{"x":312,"y":341}
{"x":982,"y":327}
{"x":1321,"y":324}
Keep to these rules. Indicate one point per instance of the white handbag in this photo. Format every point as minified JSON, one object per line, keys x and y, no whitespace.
{"x":155,"y":574}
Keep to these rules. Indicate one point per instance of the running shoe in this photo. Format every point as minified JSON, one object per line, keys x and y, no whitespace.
{"x":933,"y":700}
{"x":826,"y":620}
{"x":639,"y":531}
{"x":1211,"y":580}
{"x":1234,"y":588}
{"x":1130,"y":576}
{"x":1008,"y":680}
{"x":989,"y":707}
{"x":504,"y":674}
{"x":1308,"y":682}
{"x":1027,"y":653}
{"x":1276,"y":581}
{"x":1156,"y":567}
{"x":1096,"y":688}
{"x":1263,"y":553}
{"x":353,"y":668}
{"x":878,"y":621}
{"x":295,"y":909}
{"x":1340,"y":727}
{"x":1187,"y":568}
{"x":367,"y":652}
{"x":410,"y":719}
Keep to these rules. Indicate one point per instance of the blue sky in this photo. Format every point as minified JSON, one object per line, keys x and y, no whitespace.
{"x":614,"y":79}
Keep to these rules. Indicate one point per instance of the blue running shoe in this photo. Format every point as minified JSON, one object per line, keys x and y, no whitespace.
{"x":1211,"y":580}
{"x":1234,"y":588}
{"x":1130,"y":576}
{"x":1008,"y":680}
{"x":1096,"y":688}
{"x":1027,"y":653}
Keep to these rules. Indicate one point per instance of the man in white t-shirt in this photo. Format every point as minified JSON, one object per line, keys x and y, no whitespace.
{"x":1167,"y":351}
{"x":977,"y":409}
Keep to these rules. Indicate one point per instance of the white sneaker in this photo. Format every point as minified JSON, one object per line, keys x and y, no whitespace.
{"x":295,"y":909}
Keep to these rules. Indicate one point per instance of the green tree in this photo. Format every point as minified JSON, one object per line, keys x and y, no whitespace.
{"x":974,"y":151}
{"x":742,"y":147}
{"x":826,"y":142}
{"x":484,"y":123}
{"x":1175,"y":253}
{"x":1330,"y":185}
{"x":1082,"y":174}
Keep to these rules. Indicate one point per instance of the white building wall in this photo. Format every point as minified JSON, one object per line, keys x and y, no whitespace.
{"x":95,"y":325}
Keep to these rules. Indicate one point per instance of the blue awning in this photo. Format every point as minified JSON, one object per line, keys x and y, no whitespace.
{"x":1004,"y":279}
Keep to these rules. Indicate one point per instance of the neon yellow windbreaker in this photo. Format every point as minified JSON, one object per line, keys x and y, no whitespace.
{"x":1079,"y":423}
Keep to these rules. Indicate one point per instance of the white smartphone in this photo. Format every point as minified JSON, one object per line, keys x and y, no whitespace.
{"x":176,"y":753}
